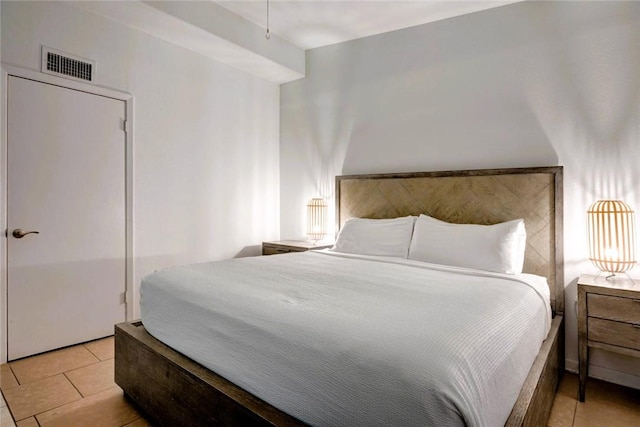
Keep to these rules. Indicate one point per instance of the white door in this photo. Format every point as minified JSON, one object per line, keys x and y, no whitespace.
{"x":66,"y":181}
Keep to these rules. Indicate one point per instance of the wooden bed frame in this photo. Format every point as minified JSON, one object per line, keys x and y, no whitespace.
{"x":174,"y":390}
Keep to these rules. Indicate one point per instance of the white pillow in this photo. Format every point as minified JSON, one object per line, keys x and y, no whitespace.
{"x":383,"y":237}
{"x":498,"y":248}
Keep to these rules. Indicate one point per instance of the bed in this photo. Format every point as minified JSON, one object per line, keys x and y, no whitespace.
{"x":177,"y":390}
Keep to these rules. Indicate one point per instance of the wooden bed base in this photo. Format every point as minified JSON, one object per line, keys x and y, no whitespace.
{"x":172,"y":389}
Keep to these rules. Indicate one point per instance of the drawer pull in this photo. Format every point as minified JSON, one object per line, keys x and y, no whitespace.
{"x":636,"y":326}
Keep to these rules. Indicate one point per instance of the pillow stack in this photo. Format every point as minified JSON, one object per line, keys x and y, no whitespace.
{"x":498,"y":248}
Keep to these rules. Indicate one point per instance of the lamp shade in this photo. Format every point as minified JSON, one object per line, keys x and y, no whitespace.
{"x":612,"y":235}
{"x":316,"y":219}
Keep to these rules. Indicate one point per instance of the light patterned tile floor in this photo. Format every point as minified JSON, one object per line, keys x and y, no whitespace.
{"x":74,"y":387}
{"x":605,"y":404}
{"x":54,"y":362}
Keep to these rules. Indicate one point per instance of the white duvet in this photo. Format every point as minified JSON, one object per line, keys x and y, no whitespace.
{"x":343,"y":340}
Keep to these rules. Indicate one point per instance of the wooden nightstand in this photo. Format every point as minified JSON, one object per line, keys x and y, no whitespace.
{"x":286,"y":246}
{"x":608,"y":318}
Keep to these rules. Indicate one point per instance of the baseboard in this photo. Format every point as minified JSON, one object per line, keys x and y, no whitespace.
{"x":606,"y":374}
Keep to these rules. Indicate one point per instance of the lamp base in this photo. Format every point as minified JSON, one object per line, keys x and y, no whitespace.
{"x":611,"y":276}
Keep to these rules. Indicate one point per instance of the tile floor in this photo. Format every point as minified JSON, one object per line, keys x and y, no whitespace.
{"x":69,"y":387}
{"x":74,"y":387}
{"x":605,"y":405}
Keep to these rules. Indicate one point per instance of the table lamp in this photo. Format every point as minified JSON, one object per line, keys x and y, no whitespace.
{"x":612,"y":236}
{"x":316,"y":219}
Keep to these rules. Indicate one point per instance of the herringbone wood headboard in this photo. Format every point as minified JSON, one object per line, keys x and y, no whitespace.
{"x":487,"y":196}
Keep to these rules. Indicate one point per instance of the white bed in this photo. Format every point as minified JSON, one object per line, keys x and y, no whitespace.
{"x":349,"y":340}
{"x":335,"y":339}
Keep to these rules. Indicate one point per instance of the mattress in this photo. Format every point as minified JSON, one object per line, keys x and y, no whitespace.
{"x":335,"y":339}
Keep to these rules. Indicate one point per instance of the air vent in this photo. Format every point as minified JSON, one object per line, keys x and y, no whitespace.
{"x":69,"y":66}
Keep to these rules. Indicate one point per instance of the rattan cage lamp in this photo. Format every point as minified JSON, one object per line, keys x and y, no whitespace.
{"x":317,"y":219}
{"x":612,"y":236}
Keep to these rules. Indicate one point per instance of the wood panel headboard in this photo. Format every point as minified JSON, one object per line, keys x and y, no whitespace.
{"x":486,"y":196}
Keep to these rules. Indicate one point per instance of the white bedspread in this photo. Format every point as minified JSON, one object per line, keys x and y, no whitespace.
{"x":343,"y":340}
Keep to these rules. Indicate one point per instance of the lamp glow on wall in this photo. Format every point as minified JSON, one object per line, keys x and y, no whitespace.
{"x":612,"y":236}
{"x":316,"y":219}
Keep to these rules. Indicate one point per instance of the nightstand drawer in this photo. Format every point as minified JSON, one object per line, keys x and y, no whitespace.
{"x":288,"y":246}
{"x":273,"y":250}
{"x":614,"y":333}
{"x":614,"y":308}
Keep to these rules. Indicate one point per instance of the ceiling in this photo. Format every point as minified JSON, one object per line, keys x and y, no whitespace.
{"x":233,"y":31}
{"x":314,"y":23}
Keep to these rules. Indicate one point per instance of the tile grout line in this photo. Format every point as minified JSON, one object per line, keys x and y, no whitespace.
{"x":82,"y":396}
{"x":14,"y":374}
{"x":132,"y":421}
{"x":35,"y":416}
{"x":89,"y":350}
{"x":7,"y":405}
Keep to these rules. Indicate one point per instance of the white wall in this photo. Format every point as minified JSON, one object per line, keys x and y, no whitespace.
{"x":206,"y":149}
{"x":528,"y":84}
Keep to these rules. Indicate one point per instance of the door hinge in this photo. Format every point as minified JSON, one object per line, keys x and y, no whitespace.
{"x":125,"y":125}
{"x":123,"y":298}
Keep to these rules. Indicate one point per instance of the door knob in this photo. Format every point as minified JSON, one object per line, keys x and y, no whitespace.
{"x":19,"y":233}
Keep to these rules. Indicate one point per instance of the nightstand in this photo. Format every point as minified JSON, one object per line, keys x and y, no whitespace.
{"x":608,"y":318}
{"x":287,"y":246}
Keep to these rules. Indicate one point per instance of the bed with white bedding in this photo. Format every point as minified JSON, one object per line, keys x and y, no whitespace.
{"x":349,"y":337}
{"x":343,"y":340}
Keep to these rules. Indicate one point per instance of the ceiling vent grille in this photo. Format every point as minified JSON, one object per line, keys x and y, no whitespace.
{"x":69,"y":66}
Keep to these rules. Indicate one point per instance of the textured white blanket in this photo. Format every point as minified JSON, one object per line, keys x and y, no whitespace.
{"x":339,"y":340}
